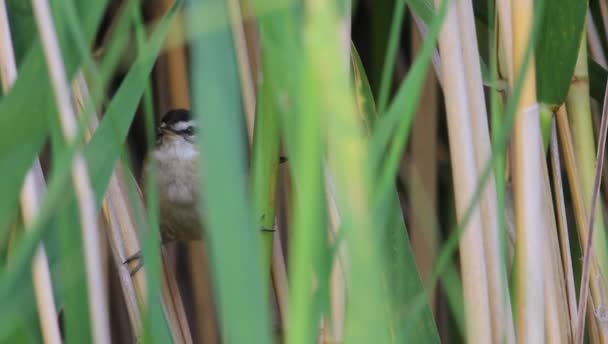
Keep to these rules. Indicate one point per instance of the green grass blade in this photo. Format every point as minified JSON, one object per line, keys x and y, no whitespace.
{"x":23,"y":126}
{"x":229,"y":226}
{"x":403,"y":274}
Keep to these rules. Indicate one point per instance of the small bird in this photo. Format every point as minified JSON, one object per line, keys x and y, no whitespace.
{"x":175,"y":159}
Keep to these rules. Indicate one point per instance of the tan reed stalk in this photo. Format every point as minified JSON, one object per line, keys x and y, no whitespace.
{"x":562,"y":222}
{"x":595,"y":44}
{"x":464,"y":170}
{"x":252,"y":38}
{"x":30,"y":199}
{"x":279,"y":277}
{"x":98,"y":306}
{"x":557,"y":324}
{"x":172,"y":302}
{"x":422,"y":28}
{"x":505,"y":37}
{"x":121,"y":230}
{"x":422,"y":179}
{"x":245,"y":71}
{"x":527,"y":162}
{"x":580,"y":119}
{"x":580,"y":213}
{"x":500,"y":305}
{"x":206,"y":329}
{"x":585,"y":276}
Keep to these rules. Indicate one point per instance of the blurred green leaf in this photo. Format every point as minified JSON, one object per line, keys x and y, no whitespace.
{"x":402,"y":274}
{"x":101,"y":153}
{"x":557,"y":48}
{"x":229,"y":225}
{"x":22,"y":26}
{"x":28,"y":108}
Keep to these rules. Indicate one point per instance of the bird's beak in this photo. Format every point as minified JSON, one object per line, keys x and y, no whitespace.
{"x":159,"y":136}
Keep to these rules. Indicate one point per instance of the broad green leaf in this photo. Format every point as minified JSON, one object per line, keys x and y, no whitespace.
{"x":402,"y":275}
{"x":557,"y":48}
{"x":229,"y":225}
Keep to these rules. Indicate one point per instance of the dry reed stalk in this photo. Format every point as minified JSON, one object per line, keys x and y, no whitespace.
{"x":422,"y":28}
{"x":580,"y":119}
{"x":505,"y":37}
{"x":206,"y":329}
{"x":245,"y":70}
{"x":580,"y":324}
{"x":562,"y":222}
{"x":580,"y":214}
{"x":422,"y":179}
{"x":557,"y":324}
{"x":252,"y":39}
{"x":172,"y":302}
{"x":98,"y":306}
{"x":595,"y":44}
{"x":472,"y":256}
{"x":121,"y":229}
{"x":529,"y":194}
{"x":279,"y":278}
{"x":500,"y":305}
{"x":30,"y":199}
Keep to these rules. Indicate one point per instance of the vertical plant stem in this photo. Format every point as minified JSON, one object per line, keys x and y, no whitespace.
{"x":505,"y":37}
{"x":556,"y":308}
{"x":265,"y":165}
{"x":422,"y":165}
{"x":580,"y":120}
{"x":563,"y":227}
{"x":500,"y":305}
{"x":464,"y":170}
{"x":580,"y":213}
{"x":245,"y":73}
{"x":84,"y":194}
{"x":30,"y":199}
{"x":601,"y":147}
{"x":595,"y":43}
{"x":528,"y":191}
{"x":122,"y":234}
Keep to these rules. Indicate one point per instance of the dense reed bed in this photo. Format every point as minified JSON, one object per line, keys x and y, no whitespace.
{"x":383,"y":171}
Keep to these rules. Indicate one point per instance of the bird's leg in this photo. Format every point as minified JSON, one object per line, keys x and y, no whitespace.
{"x":135,"y":257}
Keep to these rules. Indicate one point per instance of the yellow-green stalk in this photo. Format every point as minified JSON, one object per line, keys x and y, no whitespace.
{"x":527,"y":160}
{"x":579,"y":117}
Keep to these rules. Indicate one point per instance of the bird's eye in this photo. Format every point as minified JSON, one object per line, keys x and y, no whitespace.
{"x":189,"y":131}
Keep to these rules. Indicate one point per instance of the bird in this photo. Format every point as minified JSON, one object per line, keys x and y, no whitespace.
{"x":174,"y":158}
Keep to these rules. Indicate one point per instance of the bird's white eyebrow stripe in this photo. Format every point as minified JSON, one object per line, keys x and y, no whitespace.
{"x":182,"y":125}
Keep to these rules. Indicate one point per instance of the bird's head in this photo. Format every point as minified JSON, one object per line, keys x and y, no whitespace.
{"x":176,"y":135}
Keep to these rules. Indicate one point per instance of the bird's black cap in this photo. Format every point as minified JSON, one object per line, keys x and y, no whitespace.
{"x":175,"y":116}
